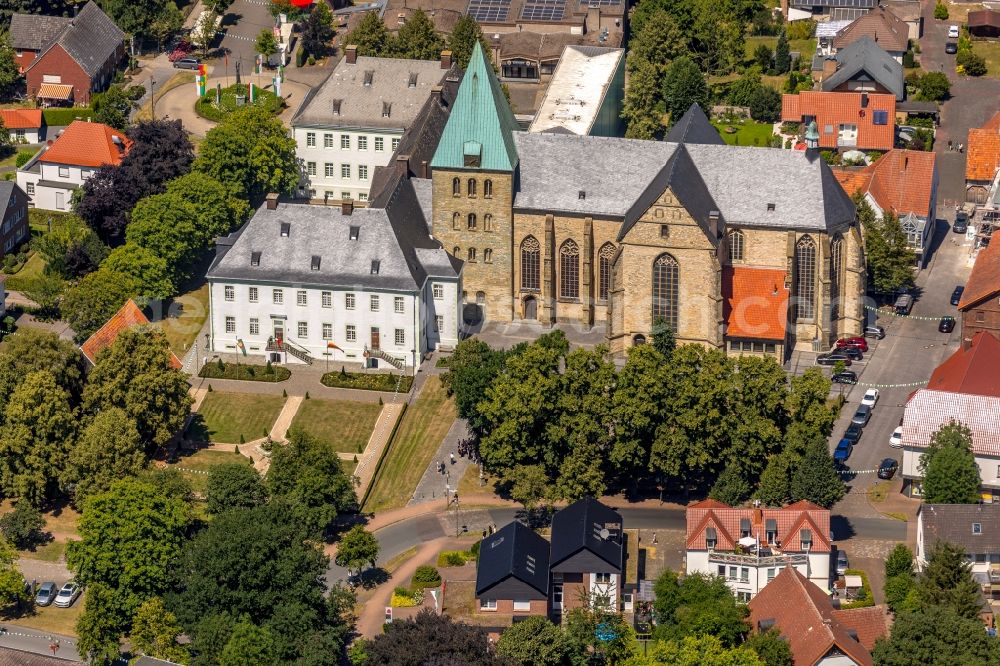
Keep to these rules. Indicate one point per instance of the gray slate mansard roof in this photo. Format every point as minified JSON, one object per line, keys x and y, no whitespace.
{"x":33,"y":32}
{"x":953,"y":523}
{"x":361,"y":105}
{"x":513,"y":551}
{"x":395,"y":236}
{"x":90,"y":39}
{"x":865,"y":55}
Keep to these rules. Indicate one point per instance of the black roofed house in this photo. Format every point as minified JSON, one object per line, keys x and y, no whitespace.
{"x":864,"y":66}
{"x":512,"y":576}
{"x":587,"y":556}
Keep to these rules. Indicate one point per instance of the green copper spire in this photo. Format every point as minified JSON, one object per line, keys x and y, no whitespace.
{"x":478,"y":133}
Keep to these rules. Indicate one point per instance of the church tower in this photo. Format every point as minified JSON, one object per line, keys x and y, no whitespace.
{"x":474,"y":175}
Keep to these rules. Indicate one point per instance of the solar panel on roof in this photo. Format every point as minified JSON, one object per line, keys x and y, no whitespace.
{"x":489,"y":10}
{"x":600,"y":3}
{"x":543,"y":10}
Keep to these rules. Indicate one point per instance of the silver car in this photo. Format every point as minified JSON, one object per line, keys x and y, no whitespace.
{"x":46,"y":594}
{"x":842,"y":564}
{"x":862,"y":415}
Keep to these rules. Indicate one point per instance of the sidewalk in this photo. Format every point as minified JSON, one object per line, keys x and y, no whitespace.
{"x":432,"y":484}
{"x":379,"y":439}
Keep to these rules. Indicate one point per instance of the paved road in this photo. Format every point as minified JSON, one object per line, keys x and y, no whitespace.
{"x":240,"y":26}
{"x":32,"y":640}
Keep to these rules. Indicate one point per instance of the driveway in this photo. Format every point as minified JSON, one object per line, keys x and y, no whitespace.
{"x":240,"y":26}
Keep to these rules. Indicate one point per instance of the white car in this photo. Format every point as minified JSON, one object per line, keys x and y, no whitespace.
{"x":871,"y":397}
{"x":896,"y":441}
{"x":67,"y":595}
{"x":953,"y":32}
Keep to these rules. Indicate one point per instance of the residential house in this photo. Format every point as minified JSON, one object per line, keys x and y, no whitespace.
{"x":585,"y":94}
{"x":353,"y":121}
{"x":543,"y":220}
{"x":980,"y":302}
{"x":587,"y":559}
{"x":973,"y":527}
{"x":51,"y":176}
{"x":13,"y":217}
{"x":909,"y":12}
{"x":863,"y":66}
{"x":755,"y":310}
{"x":982,"y":160}
{"x":826,"y":33}
{"x":66,"y":60}
{"x":10,"y":656}
{"x":844,"y":120}
{"x":129,"y":316}
{"x":974,"y":369}
{"x":512,"y":573}
{"x":817,"y":633}
{"x":299,"y":283}
{"x":984,"y":23}
{"x":904,"y":182}
{"x":825,"y":10}
{"x":532,"y":57}
{"x":23,"y":125}
{"x":883,"y":27}
{"x":749,"y":547}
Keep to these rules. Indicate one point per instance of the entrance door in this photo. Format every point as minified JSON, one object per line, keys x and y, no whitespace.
{"x":375,"y":343}
{"x":279,"y":330}
{"x":531,"y":308}
{"x":557,"y":597}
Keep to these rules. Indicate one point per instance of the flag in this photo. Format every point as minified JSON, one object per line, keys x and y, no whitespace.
{"x":242,"y":347}
{"x":330,"y":345}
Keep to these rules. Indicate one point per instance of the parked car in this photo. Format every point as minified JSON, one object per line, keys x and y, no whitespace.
{"x":852,"y":353}
{"x":852,"y":343}
{"x":956,"y":296}
{"x":46,"y":594}
{"x":947,"y":324}
{"x":845,"y":377}
{"x":843,"y":451}
{"x":961,"y":222}
{"x":904,"y":304}
{"x":871,"y":397}
{"x":951,"y":48}
{"x":876,"y":332}
{"x":187,"y":63}
{"x":862,"y":415}
{"x":887,"y":468}
{"x":953,"y":32}
{"x":832,"y":358}
{"x":67,"y":595}
{"x":896,"y":440}
{"x":853,"y":433}
{"x":842,"y":564}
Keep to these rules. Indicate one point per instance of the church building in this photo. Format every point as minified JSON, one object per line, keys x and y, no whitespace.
{"x":756,"y":250}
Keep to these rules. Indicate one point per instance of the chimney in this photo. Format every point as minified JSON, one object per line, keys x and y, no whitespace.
{"x":351,"y":54}
{"x":436,"y":93}
{"x":445,"y":59}
{"x":593,"y":20}
{"x":346,"y":206}
{"x":403,"y":166}
{"x":272,"y":200}
{"x":829,"y":66}
{"x":425,"y":172}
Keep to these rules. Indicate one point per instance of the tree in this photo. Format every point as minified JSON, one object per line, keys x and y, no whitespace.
{"x":318,"y":30}
{"x":947,"y":581}
{"x":417,"y":39}
{"x":89,"y":303}
{"x":357,"y":548}
{"x":581,"y":625}
{"x":251,"y":152}
{"x":234,"y":486}
{"x":133,"y":16}
{"x":136,"y":375}
{"x":659,"y":41}
{"x":168,"y":22}
{"x":529,"y":484}
{"x":638,"y":407}
{"x":266,"y":43}
{"x":741,"y":90}
{"x":899,"y":562}
{"x":99,"y":627}
{"x":731,"y":487}
{"x":10,"y":72}
{"x":698,"y":651}
{"x":936,"y":635}
{"x":37,"y":435}
{"x":463,"y":38}
{"x":372,"y":37}
{"x":109,"y":449}
{"x":901,"y":593}
{"x":772,"y":649}
{"x":217,"y":211}
{"x":534,"y":642}
{"x":250,"y":644}
{"x":697,"y":604}
{"x":816,"y":478}
{"x":71,"y":249}
{"x":684,"y":85}
{"x":764,"y":57}
{"x":890,"y":259}
{"x":164,"y":224}
{"x":45,"y":289}
{"x":782,"y":56}
{"x":940,"y":11}
{"x":663,"y":338}
{"x":113,"y":107}
{"x":472,"y":367}
{"x":934,"y":87}
{"x":951,"y":475}
{"x":644,"y":106}
{"x":12,"y":589}
{"x":765,"y":104}
{"x":775,"y":485}
{"x":211,"y":635}
{"x":32,"y":350}
{"x":22,"y":527}
{"x":155,"y":631}
{"x":430,"y":639}
{"x":205,"y":30}
{"x":138,"y":269}
{"x":972,"y":63}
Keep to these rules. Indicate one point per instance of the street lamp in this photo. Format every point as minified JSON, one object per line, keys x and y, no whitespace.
{"x":152,"y":97}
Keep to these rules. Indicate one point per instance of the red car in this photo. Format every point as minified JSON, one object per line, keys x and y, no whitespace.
{"x":857,"y":343}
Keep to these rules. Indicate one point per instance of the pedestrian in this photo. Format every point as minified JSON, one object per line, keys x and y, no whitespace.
{"x":452,"y":458}
{"x":949,"y":144}
{"x":961,"y":147}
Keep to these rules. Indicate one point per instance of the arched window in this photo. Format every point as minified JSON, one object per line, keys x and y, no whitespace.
{"x":456,"y":221}
{"x":487,"y":188}
{"x":530,"y":255}
{"x":735,"y":245}
{"x":456,"y":186}
{"x":472,"y":187}
{"x":481,"y":298}
{"x":805,"y":278}
{"x":487,"y":221}
{"x":836,"y":271}
{"x":488,"y":255}
{"x":666,"y":279}
{"x":605,"y":257}
{"x":456,"y":252}
{"x":472,"y":254}
{"x":472,"y":222}
{"x":569,"y":270}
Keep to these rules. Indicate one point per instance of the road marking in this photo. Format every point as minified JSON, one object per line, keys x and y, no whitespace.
{"x":4,"y":633}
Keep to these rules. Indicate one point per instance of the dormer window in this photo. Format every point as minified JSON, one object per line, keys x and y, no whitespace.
{"x":581,"y":195}
{"x":375,"y":266}
{"x":744,"y":527}
{"x":977,"y":528}
{"x":286,"y":228}
{"x":354,"y":233}
{"x":315,"y":262}
{"x":472,"y":152}
{"x":386,"y":109}
{"x":771,"y":530}
{"x":711,"y":538}
{"x":336,"y":106}
{"x":255,"y":258}
{"x":770,"y":208}
{"x":369,"y":77}
{"x":413,"y":80}
{"x":806,"y":539}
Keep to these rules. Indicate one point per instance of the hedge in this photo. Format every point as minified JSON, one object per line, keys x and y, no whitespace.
{"x":425,"y":576}
{"x":245,"y":372}
{"x":206,"y":108}
{"x":864,"y":598}
{"x":59,"y":117}
{"x":367,"y":381}
{"x":455,"y":558}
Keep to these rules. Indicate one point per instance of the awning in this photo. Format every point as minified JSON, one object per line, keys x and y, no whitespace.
{"x":852,"y":581}
{"x":60,"y":91}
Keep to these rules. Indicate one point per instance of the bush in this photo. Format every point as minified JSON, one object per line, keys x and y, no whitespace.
{"x":909,"y":62}
{"x":454,"y":558}
{"x":475,"y":549}
{"x":934,"y":87}
{"x":941,"y":11}
{"x":367,"y":381}
{"x":972,"y":63}
{"x":135,"y":93}
{"x":23,"y":157}
{"x":426,"y":576}
{"x":243,"y":371}
{"x":300,"y":58}
{"x":23,"y":526}
{"x":61,"y":117}
{"x":206,"y":108}
{"x":311,"y":60}
{"x":406,"y":598}
{"x":801,"y":29}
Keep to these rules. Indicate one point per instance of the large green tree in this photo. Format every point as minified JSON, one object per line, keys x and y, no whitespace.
{"x":731,"y":487}
{"x":947,"y":581}
{"x":89,"y":303}
{"x":472,"y":367}
{"x":658,"y":43}
{"x":771,"y":647}
{"x":936,"y":636}
{"x":318,"y":30}
{"x":109,"y":448}
{"x":697,"y":604}
{"x":133,"y":16}
{"x":644,"y":104}
{"x":371,"y":36}
{"x":638,"y":407}
{"x":71,"y":249}
{"x":165,"y":224}
{"x":430,"y":638}
{"x":704,"y":650}
{"x":135,"y":269}
{"x":234,"y":486}
{"x":33,"y":349}
{"x":250,"y":644}
{"x":10,"y":72}
{"x":535,"y":642}
{"x":816,"y":478}
{"x":417,"y":39}
{"x":775,"y":485}
{"x":951,"y":475}
{"x":99,"y":627}
{"x":357,"y":549}
{"x":463,"y":39}
{"x":890,"y":259}
{"x":155,"y":631}
{"x":12,"y":589}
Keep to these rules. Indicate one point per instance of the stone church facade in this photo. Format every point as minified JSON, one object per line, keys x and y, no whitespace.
{"x":755,"y":250}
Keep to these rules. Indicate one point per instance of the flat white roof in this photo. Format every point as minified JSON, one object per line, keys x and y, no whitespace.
{"x":578,"y":86}
{"x":831,"y":28}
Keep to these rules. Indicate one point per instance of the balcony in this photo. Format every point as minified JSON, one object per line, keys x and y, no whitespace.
{"x":766,"y":558}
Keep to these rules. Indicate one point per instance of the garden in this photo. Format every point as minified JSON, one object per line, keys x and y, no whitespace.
{"x":368,"y":381}
{"x":233,"y":97}
{"x":252,"y":372}
{"x":234,"y":417}
{"x":343,"y":425}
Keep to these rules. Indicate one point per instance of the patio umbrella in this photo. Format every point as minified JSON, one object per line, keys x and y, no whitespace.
{"x":748,"y":542}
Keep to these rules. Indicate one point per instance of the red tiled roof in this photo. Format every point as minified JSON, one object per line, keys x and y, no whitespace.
{"x":804,"y":616}
{"x":21,"y":118}
{"x":870,"y":624}
{"x":975,"y":370}
{"x":853,"y":179}
{"x":903,"y":181}
{"x":926,"y":411}
{"x":128,"y":316}
{"x":885,"y":28}
{"x":984,"y":281}
{"x":87,"y":144}
{"x":755,"y":302}
{"x":983,"y":17}
{"x":982,"y":155}
{"x":726,"y":520}
{"x":831,"y":109}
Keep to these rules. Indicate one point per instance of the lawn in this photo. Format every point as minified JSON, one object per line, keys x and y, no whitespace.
{"x":194,"y":466}
{"x":804,"y":47}
{"x":184,"y":318}
{"x":53,"y":619}
{"x":750,"y":133}
{"x":344,"y":425}
{"x":420,"y":432}
{"x":38,"y":220}
{"x":990,"y":51}
{"x":225,"y":417}
{"x":32,"y":268}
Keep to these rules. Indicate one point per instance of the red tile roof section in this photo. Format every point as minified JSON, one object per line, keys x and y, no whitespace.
{"x":982,"y":155}
{"x":853,"y":179}
{"x":903,"y":180}
{"x":870,"y":624}
{"x":87,"y":144}
{"x":726,"y":520}
{"x":975,"y":371}
{"x":984,"y":281}
{"x":885,"y":28}
{"x":804,"y":616}
{"x":836,"y":108}
{"x":755,"y":302}
{"x":21,"y":118}
{"x":128,"y":316}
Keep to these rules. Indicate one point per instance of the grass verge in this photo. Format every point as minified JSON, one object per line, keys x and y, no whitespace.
{"x":990,"y":52}
{"x":195,"y":466}
{"x":184,"y":318}
{"x":421,"y":430}
{"x":225,"y":417}
{"x":54,"y":620}
{"x":31,"y":269}
{"x":345,"y":426}
{"x":748,"y":133}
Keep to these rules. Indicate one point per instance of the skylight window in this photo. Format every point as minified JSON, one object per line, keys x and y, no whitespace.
{"x":386,"y":109}
{"x":315,"y":262}
{"x":255,"y":258}
{"x":354,"y":233}
{"x":286,"y":228}
{"x":369,"y":77}
{"x":336,"y":106}
{"x":413,"y":80}
{"x":375,"y":266}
